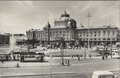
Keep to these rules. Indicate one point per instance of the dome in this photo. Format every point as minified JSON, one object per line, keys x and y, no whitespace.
{"x":65,"y":14}
{"x":65,"y":20}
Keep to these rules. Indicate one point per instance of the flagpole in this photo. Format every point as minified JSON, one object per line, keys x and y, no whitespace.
{"x":119,"y":29}
{"x":88,"y":16}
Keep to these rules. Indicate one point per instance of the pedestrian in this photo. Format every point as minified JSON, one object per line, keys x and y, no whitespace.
{"x":78,"y":57}
{"x":17,"y":65}
{"x":106,"y":56}
{"x":2,"y":61}
{"x":68,"y":63}
{"x":102,"y":57}
{"x":90,"y":55}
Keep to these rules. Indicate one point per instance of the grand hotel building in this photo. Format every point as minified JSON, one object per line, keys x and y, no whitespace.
{"x":65,"y":27}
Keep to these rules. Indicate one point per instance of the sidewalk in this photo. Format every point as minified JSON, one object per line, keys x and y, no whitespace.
{"x":54,"y":61}
{"x":13,"y":64}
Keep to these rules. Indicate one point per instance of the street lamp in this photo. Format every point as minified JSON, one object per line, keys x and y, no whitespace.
{"x":111,"y":49}
{"x":103,"y":52}
{"x":62,"y":50}
{"x":118,"y":46}
{"x":50,"y":66}
{"x":85,"y":50}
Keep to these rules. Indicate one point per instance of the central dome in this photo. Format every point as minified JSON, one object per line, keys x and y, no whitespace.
{"x":65,"y":14}
{"x":65,"y":21}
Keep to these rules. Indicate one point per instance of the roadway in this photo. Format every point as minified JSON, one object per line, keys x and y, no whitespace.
{"x":77,"y":69}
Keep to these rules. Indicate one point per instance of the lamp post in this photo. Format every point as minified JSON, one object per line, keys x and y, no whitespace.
{"x":111,"y":49}
{"x":119,"y":41}
{"x":85,"y":51}
{"x":118,"y":47}
{"x":50,"y":66}
{"x":62,"y":51}
{"x":103,"y":52}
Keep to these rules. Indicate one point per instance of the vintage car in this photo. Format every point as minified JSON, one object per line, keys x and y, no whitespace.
{"x":103,"y":74}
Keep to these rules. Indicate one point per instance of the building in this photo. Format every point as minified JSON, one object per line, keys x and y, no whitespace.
{"x":18,"y":39}
{"x":97,"y":35}
{"x":65,"y":27}
{"x":4,"y":39}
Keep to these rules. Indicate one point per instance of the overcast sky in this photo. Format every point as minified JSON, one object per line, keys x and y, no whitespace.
{"x":19,"y":16}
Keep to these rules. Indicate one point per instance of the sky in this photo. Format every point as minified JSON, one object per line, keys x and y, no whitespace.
{"x":20,"y":16}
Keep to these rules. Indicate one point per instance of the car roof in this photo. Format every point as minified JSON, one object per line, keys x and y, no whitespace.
{"x":102,"y":72}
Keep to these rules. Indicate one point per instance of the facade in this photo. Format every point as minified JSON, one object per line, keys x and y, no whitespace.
{"x":65,"y":27}
{"x":17,"y":39}
{"x":4,"y":39}
{"x":20,"y":39}
{"x":105,"y":34}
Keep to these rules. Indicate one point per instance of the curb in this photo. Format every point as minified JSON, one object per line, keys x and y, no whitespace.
{"x":42,"y":74}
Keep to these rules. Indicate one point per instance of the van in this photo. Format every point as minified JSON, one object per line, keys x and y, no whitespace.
{"x":103,"y":74}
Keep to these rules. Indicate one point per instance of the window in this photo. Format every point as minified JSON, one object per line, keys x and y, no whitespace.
{"x":113,"y":39}
{"x":68,"y":31}
{"x":95,"y":33}
{"x":83,"y":33}
{"x":99,"y":39}
{"x":95,"y":38}
{"x":99,"y":33}
{"x":60,"y":31}
{"x":104,"y":33}
{"x":104,"y":39}
{"x":117,"y":38}
{"x":108,"y":39}
{"x":113,"y":33}
{"x":91,"y":33}
{"x":91,"y":39}
{"x":108,"y":33}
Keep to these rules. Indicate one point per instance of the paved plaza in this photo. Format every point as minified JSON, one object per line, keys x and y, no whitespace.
{"x":77,"y":69}
{"x":51,"y":68}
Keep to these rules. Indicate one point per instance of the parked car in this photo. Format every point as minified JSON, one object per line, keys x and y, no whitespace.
{"x":103,"y":74}
{"x":115,"y":50}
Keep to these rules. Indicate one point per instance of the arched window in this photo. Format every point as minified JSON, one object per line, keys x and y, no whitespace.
{"x":99,"y":39}
{"x":91,"y":39}
{"x":108,"y":39}
{"x":104,"y":39}
{"x":113,"y":39}
{"x":95,"y":38}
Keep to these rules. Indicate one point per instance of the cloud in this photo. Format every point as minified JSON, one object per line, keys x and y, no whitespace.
{"x":19,"y":16}
{"x":25,"y":4}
